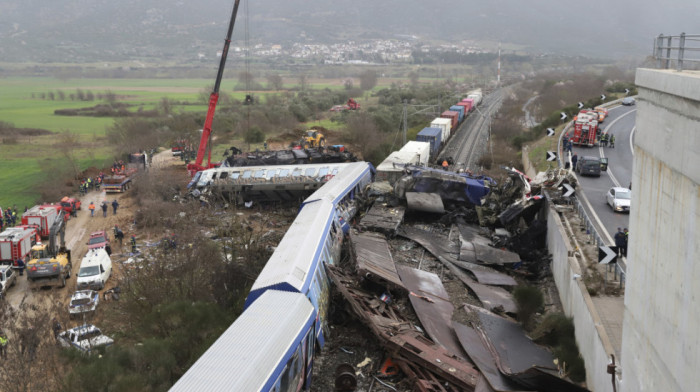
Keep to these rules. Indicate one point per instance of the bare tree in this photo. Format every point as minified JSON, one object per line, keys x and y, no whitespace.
{"x":368,"y":79}
{"x":303,"y":82}
{"x":32,"y":361}
{"x":67,"y":144}
{"x":275,"y":82}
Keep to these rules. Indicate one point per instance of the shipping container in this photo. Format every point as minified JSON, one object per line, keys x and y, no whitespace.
{"x":469,"y":102}
{"x":459,"y":109}
{"x":445,"y":125}
{"x":40,"y":217}
{"x":413,"y":153}
{"x":452,"y":115}
{"x":432,"y":136}
{"x":16,"y":242}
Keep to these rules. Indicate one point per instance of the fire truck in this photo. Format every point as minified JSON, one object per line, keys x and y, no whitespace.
{"x":585,"y":128}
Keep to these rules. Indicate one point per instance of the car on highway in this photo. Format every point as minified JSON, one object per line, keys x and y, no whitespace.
{"x":83,"y":301}
{"x":86,"y":338}
{"x":628,"y":101}
{"x":602,"y":114}
{"x":588,"y":166}
{"x":619,"y":198}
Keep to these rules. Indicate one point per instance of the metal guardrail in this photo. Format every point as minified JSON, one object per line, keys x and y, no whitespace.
{"x":673,"y":48}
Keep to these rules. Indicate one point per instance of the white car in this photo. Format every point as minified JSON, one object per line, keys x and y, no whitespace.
{"x":83,"y":301}
{"x":619,"y":198}
{"x":85,"y":338}
{"x":95,"y":270}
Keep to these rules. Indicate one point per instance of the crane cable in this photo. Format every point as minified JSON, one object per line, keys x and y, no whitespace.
{"x":247,"y":63}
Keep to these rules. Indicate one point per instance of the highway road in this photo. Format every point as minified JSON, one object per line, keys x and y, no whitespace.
{"x":621,"y":123}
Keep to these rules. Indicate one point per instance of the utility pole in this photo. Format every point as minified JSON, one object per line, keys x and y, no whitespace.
{"x":498,"y":80}
{"x":405,"y":120}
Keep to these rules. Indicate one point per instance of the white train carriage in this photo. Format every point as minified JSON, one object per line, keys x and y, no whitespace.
{"x":314,"y":238}
{"x":270,"y":347}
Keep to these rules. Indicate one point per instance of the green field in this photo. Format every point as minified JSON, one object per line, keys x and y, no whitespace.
{"x":26,"y":161}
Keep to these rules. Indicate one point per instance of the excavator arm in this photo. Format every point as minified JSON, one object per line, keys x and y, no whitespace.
{"x":204,"y":142}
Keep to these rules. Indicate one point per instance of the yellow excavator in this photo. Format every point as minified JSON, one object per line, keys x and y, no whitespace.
{"x":313,"y":138}
{"x":50,"y":264}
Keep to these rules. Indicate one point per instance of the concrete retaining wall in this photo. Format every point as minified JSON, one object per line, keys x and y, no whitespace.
{"x":593,"y":342}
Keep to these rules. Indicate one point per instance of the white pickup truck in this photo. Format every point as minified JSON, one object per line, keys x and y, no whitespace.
{"x":86,"y":338}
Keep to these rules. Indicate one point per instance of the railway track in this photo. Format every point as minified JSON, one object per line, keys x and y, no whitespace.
{"x":471,"y":138}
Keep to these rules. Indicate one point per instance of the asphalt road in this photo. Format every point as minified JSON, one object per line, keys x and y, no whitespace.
{"x":621,"y":123}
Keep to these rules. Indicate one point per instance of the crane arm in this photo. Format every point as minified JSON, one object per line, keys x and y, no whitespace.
{"x":213,"y":99}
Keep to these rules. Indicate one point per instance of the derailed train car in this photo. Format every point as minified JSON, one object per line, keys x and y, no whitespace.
{"x":271,"y":346}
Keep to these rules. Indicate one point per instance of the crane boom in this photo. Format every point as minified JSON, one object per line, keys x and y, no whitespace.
{"x":192,"y":168}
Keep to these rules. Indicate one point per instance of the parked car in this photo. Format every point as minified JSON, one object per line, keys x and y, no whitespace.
{"x":95,"y":270}
{"x":98,"y":239}
{"x":8,"y":278}
{"x":628,"y":101}
{"x":86,"y":338}
{"x":589,"y":166}
{"x":619,"y":198}
{"x":83,"y":301}
{"x":602,"y":114}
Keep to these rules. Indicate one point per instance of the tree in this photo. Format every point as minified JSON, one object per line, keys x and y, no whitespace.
{"x":275,"y":82}
{"x":348,"y":84}
{"x":368,"y":79}
{"x":303,"y":82}
{"x":254,"y":135}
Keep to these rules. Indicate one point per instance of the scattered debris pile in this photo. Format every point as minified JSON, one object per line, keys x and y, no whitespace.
{"x":443,"y":311}
{"x":234,"y":157}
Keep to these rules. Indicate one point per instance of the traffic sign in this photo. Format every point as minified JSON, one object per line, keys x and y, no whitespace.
{"x":602,"y":96}
{"x":569,"y":190}
{"x":580,"y":105}
{"x":551,"y":156}
{"x":607,"y":254}
{"x":550,"y":132}
{"x":563,"y":116}
{"x":627,"y":91}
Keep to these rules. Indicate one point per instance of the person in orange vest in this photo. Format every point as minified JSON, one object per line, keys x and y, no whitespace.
{"x":445,"y":164}
{"x":91,"y":207}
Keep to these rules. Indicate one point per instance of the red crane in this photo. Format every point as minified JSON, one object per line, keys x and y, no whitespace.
{"x":204,"y":142}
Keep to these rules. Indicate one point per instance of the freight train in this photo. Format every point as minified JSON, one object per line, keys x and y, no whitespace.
{"x":441,"y":128}
{"x":271,"y":346}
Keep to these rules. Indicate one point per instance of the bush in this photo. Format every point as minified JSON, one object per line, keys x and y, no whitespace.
{"x":557,"y":331}
{"x":529,"y":300}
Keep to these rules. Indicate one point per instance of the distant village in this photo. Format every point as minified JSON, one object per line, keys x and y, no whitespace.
{"x":353,"y":52}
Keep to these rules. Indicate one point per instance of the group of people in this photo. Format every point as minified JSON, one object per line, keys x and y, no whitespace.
{"x":104,"y":208}
{"x":8,"y":217}
{"x":621,"y":240}
{"x":118,"y":167}
{"x":606,"y":140}
{"x":89,"y":183}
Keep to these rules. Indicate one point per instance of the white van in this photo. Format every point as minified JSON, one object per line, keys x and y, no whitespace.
{"x":95,"y":270}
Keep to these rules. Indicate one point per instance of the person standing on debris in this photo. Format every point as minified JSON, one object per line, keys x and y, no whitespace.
{"x":133,"y":243}
{"x":627,"y":239}
{"x":56,"y":327}
{"x":91,"y":207}
{"x":104,"y":209}
{"x":114,"y":206}
{"x":620,"y":242}
{"x":574,"y":159}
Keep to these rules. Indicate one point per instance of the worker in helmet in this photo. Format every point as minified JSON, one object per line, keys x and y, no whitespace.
{"x":445,"y":165}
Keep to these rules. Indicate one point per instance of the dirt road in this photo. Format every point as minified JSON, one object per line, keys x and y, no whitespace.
{"x":78,"y":230}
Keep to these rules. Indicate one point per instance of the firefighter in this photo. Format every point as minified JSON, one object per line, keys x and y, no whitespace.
{"x":133,"y":243}
{"x":612,"y":141}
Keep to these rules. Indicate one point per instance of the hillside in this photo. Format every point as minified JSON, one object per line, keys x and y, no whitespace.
{"x":80,"y":31}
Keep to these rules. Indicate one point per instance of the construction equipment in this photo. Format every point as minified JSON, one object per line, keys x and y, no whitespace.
{"x":50,"y":264}
{"x":313,"y":138}
{"x":195,"y":167}
{"x":353,"y":105}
